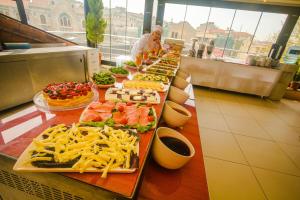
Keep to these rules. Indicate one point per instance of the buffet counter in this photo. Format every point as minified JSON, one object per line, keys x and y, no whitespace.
{"x":149,"y":181}
{"x":231,"y":76}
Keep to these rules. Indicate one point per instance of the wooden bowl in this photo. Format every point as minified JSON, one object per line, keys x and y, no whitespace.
{"x":166,"y":157}
{"x":180,"y":83}
{"x":175,"y":115}
{"x":177,"y":95}
{"x":183,"y":74}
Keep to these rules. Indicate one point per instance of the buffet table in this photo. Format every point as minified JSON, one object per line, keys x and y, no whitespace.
{"x":149,"y":182}
{"x":231,"y":76}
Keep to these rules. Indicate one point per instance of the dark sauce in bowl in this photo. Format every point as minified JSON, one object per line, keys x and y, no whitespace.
{"x":176,"y":145}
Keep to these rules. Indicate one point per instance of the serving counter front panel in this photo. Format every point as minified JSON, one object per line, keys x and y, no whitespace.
{"x":231,"y":76}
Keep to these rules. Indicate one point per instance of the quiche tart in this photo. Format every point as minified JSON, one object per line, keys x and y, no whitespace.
{"x":67,"y":94}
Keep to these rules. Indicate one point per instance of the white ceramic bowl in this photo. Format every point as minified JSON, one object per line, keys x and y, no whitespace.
{"x":183,"y":74}
{"x":180,"y":83}
{"x":166,"y":157}
{"x":173,"y":114}
{"x":177,"y":95}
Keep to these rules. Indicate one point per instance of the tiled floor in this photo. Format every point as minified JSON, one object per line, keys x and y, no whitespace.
{"x":251,"y":146}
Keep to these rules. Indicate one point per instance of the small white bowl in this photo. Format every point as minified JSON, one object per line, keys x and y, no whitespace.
{"x":183,"y":74}
{"x":175,"y":115}
{"x":180,"y":83}
{"x":177,"y":95}
{"x":166,"y":157}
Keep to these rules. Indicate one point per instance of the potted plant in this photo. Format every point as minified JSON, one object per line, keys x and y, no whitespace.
{"x":95,"y":23}
{"x":295,"y":84}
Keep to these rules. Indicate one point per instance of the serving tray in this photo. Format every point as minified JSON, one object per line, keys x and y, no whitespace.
{"x":41,"y":103}
{"x":23,"y":165}
{"x":127,"y":97}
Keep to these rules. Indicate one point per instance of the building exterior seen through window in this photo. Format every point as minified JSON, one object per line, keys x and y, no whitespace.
{"x":9,"y":8}
{"x":43,"y":19}
{"x":234,"y":35}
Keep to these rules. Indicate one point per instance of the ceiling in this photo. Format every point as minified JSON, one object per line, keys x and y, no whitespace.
{"x":295,"y":3}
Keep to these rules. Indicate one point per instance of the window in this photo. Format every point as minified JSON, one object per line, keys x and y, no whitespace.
{"x":217,"y":29}
{"x":192,"y":23}
{"x":59,"y":17}
{"x":83,"y":24}
{"x":235,"y":33}
{"x":173,"y":23}
{"x":294,"y":39}
{"x":124,"y":27}
{"x":64,"y":20}
{"x":267,"y":32}
{"x":43,"y":19}
{"x":241,"y":34}
{"x":9,"y":8}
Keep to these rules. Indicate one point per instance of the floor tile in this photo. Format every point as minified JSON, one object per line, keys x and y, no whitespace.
{"x":292,"y":151}
{"x":212,"y":120}
{"x":221,"y":145}
{"x":267,"y":155}
{"x":232,"y":181}
{"x":282,"y":132}
{"x":207,"y":104}
{"x":246,"y":126}
{"x":290,"y":117}
{"x":233,"y":109}
{"x":278,"y":186}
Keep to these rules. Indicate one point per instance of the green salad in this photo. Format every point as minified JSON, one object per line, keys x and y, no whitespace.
{"x":103,"y":78}
{"x":119,"y":70}
{"x":130,"y":63}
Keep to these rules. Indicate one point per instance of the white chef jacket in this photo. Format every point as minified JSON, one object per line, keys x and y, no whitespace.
{"x":140,"y":45}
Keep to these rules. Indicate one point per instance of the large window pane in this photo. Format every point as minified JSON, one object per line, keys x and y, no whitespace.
{"x":124,"y":26}
{"x":105,"y":46}
{"x":192,"y":23}
{"x":118,"y":28}
{"x":241,"y":34}
{"x":135,"y":19}
{"x":268,"y":29}
{"x":62,"y":18}
{"x":173,"y":21}
{"x":294,"y":39}
{"x":153,"y":22}
{"x":216,"y":29}
{"x":9,"y":8}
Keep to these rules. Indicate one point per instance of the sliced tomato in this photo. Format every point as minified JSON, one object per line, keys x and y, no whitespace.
{"x":119,"y":118}
{"x":129,"y":103}
{"x":150,"y":118}
{"x":124,"y":121}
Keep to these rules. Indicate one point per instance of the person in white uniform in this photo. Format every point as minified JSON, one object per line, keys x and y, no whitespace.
{"x":148,"y":42}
